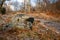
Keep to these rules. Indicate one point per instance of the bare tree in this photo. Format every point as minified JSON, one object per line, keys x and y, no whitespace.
{"x":27,"y":5}
{"x":1,"y":3}
{"x":2,"y":9}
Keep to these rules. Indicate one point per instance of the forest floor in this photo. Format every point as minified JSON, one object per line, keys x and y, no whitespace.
{"x":45,"y":27}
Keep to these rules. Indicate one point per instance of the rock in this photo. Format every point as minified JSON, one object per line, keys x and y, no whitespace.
{"x":18,"y":20}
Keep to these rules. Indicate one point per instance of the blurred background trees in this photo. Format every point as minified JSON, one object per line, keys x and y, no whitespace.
{"x":32,"y":5}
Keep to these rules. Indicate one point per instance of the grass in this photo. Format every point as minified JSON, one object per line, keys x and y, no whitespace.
{"x":38,"y":33}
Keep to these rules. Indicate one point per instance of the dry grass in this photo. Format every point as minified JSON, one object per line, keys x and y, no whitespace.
{"x":38,"y":32}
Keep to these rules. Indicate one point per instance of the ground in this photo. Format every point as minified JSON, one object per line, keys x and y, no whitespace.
{"x":43,"y":28}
